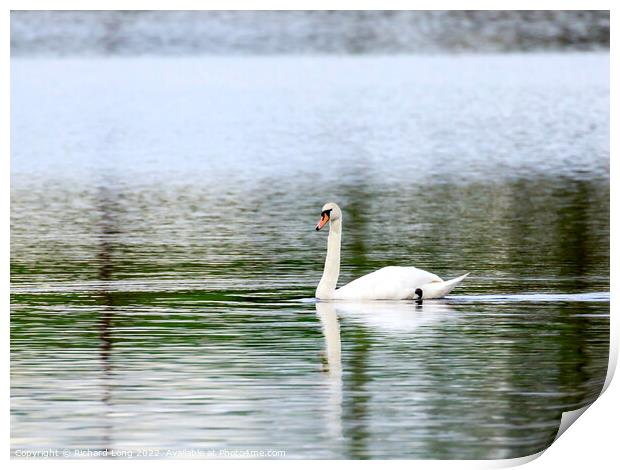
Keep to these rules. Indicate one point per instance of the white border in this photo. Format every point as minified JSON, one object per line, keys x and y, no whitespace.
{"x":308,"y":5}
{"x":592,"y":442}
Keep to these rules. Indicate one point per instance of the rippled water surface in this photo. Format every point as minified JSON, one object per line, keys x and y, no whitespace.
{"x":164,"y":258}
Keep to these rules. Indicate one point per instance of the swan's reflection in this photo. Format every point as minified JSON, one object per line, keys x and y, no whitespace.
{"x":331,"y":331}
{"x":378,"y":316}
{"x":393,"y":316}
{"x":333,"y":369}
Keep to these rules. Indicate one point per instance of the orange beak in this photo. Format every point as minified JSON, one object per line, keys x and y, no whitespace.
{"x":322,"y":222}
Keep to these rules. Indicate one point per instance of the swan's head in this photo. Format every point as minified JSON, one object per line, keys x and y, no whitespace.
{"x":330,"y":211}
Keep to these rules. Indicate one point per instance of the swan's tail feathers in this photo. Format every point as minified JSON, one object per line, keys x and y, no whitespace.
{"x":437,"y":289}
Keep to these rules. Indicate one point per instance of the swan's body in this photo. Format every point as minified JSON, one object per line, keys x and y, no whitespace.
{"x":389,"y":283}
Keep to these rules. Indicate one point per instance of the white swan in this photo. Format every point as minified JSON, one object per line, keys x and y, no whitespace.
{"x":389,"y":283}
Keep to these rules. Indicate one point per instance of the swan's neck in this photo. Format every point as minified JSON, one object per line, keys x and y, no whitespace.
{"x":328,"y":283}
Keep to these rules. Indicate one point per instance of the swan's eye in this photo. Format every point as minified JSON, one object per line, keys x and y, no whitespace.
{"x":326,"y":213}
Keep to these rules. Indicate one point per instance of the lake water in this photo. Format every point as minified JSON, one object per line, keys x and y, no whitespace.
{"x":164,"y":257}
